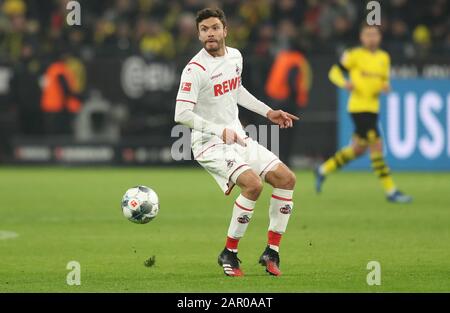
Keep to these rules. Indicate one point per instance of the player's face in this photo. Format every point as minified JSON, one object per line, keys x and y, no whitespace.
{"x":212,"y":33}
{"x":370,"y":38}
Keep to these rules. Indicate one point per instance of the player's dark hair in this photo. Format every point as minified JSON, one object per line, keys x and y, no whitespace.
{"x":208,"y":12}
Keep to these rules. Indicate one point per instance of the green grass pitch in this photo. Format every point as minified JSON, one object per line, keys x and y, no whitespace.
{"x":65,"y":214}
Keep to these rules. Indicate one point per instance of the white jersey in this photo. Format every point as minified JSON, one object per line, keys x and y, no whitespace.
{"x":207,"y":102}
{"x":211,"y":84}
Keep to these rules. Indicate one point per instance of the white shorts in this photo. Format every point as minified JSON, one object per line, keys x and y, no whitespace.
{"x":226,"y":162}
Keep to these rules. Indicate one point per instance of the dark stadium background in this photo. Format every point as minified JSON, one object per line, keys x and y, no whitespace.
{"x":127,"y":57}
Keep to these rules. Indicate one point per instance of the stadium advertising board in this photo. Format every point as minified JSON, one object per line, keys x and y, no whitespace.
{"x":414,"y":122}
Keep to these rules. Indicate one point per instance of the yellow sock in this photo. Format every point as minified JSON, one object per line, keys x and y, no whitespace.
{"x":338,"y":160}
{"x":382,"y":171}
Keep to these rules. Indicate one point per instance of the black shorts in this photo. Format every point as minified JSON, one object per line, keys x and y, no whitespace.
{"x":366,"y":125}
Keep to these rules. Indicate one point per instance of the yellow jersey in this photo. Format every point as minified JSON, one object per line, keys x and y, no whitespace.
{"x":369,"y":73}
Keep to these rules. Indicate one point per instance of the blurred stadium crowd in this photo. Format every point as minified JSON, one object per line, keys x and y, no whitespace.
{"x":37,"y":46}
{"x":167,"y":28}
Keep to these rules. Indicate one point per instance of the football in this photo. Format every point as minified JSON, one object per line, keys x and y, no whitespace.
{"x":140,"y":204}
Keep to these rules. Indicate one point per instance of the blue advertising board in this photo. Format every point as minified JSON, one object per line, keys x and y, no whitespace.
{"x":414,"y":122}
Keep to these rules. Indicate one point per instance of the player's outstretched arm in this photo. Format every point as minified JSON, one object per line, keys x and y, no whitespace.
{"x":249,"y":101}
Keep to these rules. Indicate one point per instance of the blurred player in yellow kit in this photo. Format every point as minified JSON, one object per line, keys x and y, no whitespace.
{"x":367,"y":68}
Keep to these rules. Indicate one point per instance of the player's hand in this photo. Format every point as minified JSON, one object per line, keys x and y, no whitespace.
{"x":283,"y":119}
{"x":230,"y":137}
{"x":349,"y":85}
{"x":386,"y":88}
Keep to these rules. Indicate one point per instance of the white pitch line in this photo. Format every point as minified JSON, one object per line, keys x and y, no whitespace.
{"x":5,"y":234}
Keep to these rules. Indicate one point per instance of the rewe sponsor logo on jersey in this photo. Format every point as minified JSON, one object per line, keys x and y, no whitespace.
{"x":286,"y":209}
{"x":243,"y":219}
{"x":227,"y":86}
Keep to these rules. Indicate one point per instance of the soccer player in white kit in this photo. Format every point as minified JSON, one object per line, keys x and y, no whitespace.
{"x":207,"y":101}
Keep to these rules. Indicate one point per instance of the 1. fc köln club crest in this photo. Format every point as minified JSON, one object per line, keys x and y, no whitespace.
{"x":230,"y":163}
{"x":243,"y":219}
{"x":286,"y":209}
{"x":238,"y":70}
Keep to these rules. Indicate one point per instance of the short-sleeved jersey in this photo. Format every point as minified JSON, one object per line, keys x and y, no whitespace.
{"x":210,"y":84}
{"x":369,"y":73}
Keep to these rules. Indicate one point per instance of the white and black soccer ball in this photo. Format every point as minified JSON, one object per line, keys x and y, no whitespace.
{"x":140,"y":204}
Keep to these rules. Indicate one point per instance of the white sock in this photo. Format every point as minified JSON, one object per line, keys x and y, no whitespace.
{"x":273,"y":247}
{"x":280,"y":209}
{"x":242,"y":213}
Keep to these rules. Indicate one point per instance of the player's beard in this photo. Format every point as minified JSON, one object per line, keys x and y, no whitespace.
{"x":214,"y":47}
